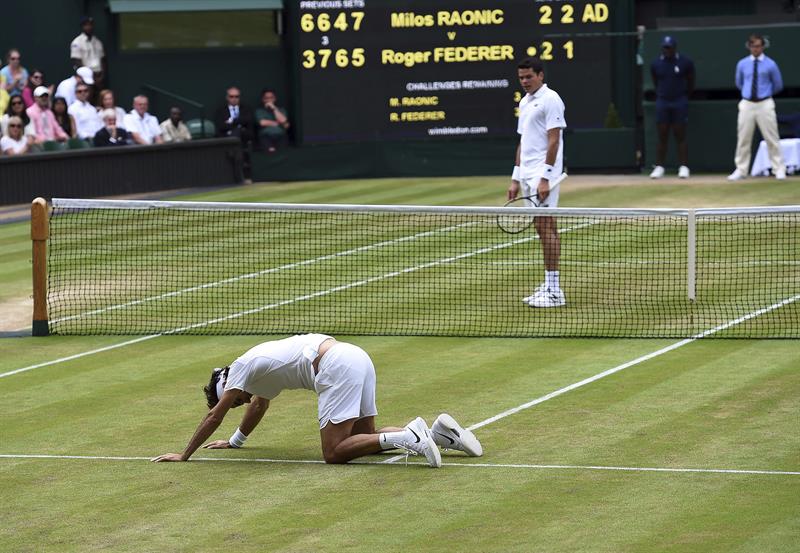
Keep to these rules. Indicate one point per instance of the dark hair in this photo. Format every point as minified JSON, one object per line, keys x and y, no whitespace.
{"x":62,"y":118}
{"x":29,"y":84}
{"x":59,"y":100}
{"x":265,"y":90}
{"x":531,"y":63}
{"x":211,"y":389}
{"x":755,"y":37}
{"x":24,"y":113}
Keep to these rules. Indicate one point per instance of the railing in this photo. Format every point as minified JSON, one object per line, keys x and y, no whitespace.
{"x":196,"y":108}
{"x":97,"y":172}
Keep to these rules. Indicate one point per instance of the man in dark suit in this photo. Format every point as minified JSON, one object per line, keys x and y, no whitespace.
{"x":234,"y":119}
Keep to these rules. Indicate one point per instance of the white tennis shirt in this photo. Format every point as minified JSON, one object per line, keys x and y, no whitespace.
{"x":538,"y":113}
{"x":269,"y":368}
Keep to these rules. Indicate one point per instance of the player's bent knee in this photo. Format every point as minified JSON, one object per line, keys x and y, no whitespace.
{"x":332,"y":458}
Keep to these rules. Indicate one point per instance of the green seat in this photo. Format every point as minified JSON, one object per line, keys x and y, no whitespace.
{"x":52,"y":146}
{"x":199,"y":127}
{"x":77,"y":144}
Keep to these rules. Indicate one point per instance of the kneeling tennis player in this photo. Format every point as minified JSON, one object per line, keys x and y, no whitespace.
{"x":343,"y":376}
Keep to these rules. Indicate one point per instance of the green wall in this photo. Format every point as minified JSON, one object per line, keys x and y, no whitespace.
{"x":715,"y":53}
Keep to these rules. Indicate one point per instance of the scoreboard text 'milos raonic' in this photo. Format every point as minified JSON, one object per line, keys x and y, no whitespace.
{"x":397,"y":69}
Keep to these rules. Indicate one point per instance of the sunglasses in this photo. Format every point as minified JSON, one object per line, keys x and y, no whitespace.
{"x":16,"y":103}
{"x":233,"y":95}
{"x":36,"y":76}
{"x":14,"y":59}
{"x":82,"y":90}
{"x":14,"y":125}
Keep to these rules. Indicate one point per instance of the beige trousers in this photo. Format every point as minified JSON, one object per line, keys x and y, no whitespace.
{"x":761,"y":114}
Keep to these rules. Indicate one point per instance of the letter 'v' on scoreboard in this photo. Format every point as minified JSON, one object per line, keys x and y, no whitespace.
{"x":388,"y":70}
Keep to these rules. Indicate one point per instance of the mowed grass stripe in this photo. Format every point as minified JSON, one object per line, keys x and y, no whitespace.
{"x":700,"y":406}
{"x":15,"y":268}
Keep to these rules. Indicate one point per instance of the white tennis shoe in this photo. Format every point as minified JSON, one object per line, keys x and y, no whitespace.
{"x":420,"y":442}
{"x":658,"y":172}
{"x":736,"y":175}
{"x":540,"y":290}
{"x":448,"y":434}
{"x":683,"y":172}
{"x":549,"y":297}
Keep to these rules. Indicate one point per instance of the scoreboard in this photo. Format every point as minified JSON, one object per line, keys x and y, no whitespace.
{"x":433,"y":69}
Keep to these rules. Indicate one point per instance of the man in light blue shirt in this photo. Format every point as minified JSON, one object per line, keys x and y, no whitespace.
{"x":758,"y":78}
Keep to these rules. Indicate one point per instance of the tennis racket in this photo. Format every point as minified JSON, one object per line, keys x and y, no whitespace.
{"x":514,"y":223}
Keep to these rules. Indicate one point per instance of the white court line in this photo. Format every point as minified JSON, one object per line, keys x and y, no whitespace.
{"x":622,"y":367}
{"x":463,"y":465}
{"x":79,"y":355}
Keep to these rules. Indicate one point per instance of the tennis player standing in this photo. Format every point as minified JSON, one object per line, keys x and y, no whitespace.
{"x":539,"y":161}
{"x":343,"y":377}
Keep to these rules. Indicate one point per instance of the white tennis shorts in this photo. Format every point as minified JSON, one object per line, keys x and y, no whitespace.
{"x":529,"y":188}
{"x":345,"y":385}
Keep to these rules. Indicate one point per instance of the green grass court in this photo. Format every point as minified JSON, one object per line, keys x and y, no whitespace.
{"x":601,"y":466}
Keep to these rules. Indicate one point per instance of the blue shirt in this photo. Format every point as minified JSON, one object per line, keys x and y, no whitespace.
{"x":671,"y":76}
{"x":769,"y":77}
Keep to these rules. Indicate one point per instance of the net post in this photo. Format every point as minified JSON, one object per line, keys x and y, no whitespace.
{"x":691,"y":253}
{"x":40,"y":232}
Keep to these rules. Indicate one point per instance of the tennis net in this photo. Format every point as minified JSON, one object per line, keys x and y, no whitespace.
{"x":147,"y":267}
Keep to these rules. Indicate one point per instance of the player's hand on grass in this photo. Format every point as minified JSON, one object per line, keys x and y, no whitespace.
{"x":167,"y":458}
{"x":218,"y":444}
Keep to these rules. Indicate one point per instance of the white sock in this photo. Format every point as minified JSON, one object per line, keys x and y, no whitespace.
{"x":389,"y":439}
{"x":551,"y":279}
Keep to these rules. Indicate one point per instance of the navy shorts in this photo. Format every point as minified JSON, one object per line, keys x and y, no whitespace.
{"x":672,"y":111}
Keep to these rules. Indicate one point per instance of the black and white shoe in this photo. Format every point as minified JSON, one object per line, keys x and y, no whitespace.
{"x":448,"y":434}
{"x":528,"y":299}
{"x":548,"y":297}
{"x":418,"y":441}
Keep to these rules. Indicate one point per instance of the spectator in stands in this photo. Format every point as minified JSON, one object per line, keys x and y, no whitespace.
{"x":111,"y":134}
{"x":87,"y":121}
{"x":16,"y":107}
{"x":4,"y":97}
{"x":44,"y":122}
{"x":758,"y":78}
{"x":174,"y":129}
{"x":16,"y":143}
{"x":272,"y":122}
{"x":35,"y":80}
{"x":143,"y":127}
{"x":63,"y":117}
{"x":105,"y":100}
{"x":86,"y":50}
{"x":235,"y":119}
{"x":16,"y":76}
{"x":66,"y":88}
{"x":673,"y":78}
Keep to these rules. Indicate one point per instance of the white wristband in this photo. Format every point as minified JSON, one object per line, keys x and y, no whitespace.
{"x":237,"y":440}
{"x":515,"y":173}
{"x":548,"y":172}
